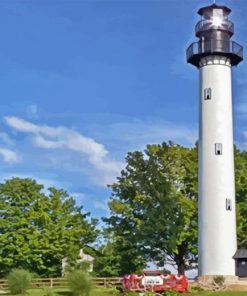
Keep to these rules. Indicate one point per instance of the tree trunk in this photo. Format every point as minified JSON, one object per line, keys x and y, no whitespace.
{"x":179,"y":259}
{"x":181,"y":269}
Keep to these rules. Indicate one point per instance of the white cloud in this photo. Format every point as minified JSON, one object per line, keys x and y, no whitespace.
{"x":165,"y":131}
{"x":79,"y":197}
{"x":243,"y":144}
{"x":9,"y":156}
{"x":43,"y":143}
{"x":121,"y":137}
{"x":20,"y":124}
{"x":101,"y":205}
{"x":43,"y":181}
{"x":136,"y":134}
{"x":5,"y":138}
{"x":47,"y":137}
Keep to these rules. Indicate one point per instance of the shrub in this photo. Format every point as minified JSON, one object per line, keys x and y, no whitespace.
{"x":218,"y":280}
{"x":49,"y":292}
{"x":196,"y":289}
{"x":79,"y":283}
{"x":18,"y":281}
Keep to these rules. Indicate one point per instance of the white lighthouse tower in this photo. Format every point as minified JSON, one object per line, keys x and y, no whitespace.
{"x":214,"y":55}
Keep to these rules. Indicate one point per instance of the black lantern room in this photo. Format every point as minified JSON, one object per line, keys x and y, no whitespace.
{"x":214,"y":31}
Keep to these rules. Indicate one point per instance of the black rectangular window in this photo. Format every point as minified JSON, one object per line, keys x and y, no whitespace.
{"x":218,"y":149}
{"x":207,"y":94}
{"x":228,"y":204}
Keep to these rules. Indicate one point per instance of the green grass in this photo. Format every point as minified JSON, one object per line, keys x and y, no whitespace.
{"x":110,"y":292}
{"x":102,"y":292}
{"x":65,"y":292}
{"x":105,"y":292}
{"x":210,"y":293}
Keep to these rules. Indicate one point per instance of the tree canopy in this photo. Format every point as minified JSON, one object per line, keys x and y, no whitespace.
{"x":241,"y":196}
{"x":154,"y":205}
{"x":118,"y":257}
{"x":153,"y":217}
{"x":38,"y":228}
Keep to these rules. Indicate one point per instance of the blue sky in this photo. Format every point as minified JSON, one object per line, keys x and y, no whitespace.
{"x":84,"y":82}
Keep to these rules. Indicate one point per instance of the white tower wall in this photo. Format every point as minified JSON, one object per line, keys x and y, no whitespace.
{"x":217,"y":215}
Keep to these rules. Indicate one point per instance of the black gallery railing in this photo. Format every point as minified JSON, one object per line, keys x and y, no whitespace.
{"x":214,"y":47}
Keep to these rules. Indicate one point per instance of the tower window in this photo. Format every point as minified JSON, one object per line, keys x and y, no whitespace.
{"x":218,"y":149}
{"x":228,"y":204}
{"x":207,"y":94}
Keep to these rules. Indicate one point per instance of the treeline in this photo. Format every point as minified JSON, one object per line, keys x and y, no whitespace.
{"x":154,"y":208}
{"x":153,"y":217}
{"x":39,"y":228}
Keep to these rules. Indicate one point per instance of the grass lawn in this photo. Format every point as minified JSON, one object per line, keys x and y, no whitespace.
{"x":216,"y":293}
{"x":104,"y":292}
{"x":109,"y":292}
{"x":65,"y":292}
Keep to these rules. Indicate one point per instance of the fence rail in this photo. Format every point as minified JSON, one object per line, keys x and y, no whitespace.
{"x":63,"y":283}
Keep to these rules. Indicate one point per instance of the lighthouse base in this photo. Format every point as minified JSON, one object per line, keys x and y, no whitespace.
{"x":213,"y":279}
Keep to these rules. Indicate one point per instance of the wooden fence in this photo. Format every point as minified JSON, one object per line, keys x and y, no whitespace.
{"x":62,"y":283}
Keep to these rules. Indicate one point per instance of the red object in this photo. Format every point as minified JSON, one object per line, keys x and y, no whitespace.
{"x":155,"y":281}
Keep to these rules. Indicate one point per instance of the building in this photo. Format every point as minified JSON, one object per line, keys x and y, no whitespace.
{"x":241,"y":262}
{"x":82,"y":258}
{"x":214,"y":54}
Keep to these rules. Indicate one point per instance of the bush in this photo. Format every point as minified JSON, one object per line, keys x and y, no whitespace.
{"x":218,"y":280}
{"x":79,"y":283}
{"x":49,"y":292}
{"x":196,"y":289}
{"x":18,"y":281}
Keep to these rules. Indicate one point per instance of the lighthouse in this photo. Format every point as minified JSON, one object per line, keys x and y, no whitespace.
{"x":214,"y":54}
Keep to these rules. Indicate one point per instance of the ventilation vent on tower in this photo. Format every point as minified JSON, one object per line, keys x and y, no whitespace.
{"x":218,"y":149}
{"x":207,"y":94}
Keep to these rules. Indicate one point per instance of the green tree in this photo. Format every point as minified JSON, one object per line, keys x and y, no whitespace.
{"x":241,"y":196}
{"x":118,"y":258}
{"x":154,"y":205}
{"x":38,"y":229}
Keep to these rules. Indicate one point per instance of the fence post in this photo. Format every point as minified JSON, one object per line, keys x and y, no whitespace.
{"x":51,"y":282}
{"x":105,"y":284}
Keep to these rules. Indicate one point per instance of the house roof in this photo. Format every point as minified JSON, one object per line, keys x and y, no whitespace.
{"x":240,"y":254}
